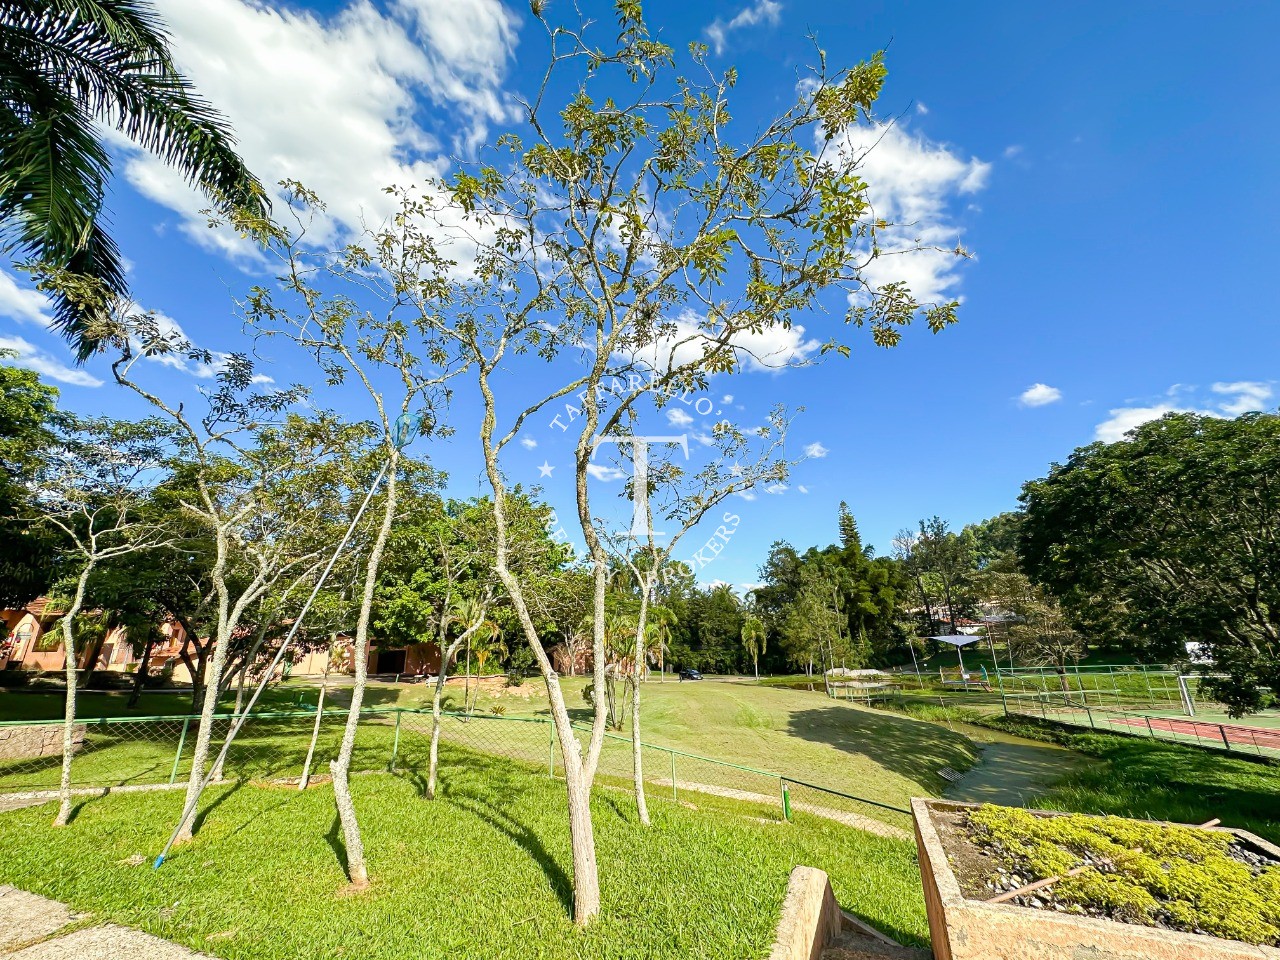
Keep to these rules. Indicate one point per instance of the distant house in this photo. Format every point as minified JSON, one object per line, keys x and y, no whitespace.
{"x":32,"y":640}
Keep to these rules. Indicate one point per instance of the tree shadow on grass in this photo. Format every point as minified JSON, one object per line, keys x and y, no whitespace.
{"x":201,"y":815}
{"x":913,"y":749}
{"x":336,"y":843}
{"x":472,"y":782}
{"x":523,"y":835}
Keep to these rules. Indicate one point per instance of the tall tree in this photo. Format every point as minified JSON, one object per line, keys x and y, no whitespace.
{"x":850,"y":539}
{"x":94,"y":492}
{"x":1170,"y":536}
{"x":28,"y":421}
{"x":67,"y":66}
{"x":630,"y":243}
{"x":754,"y":638}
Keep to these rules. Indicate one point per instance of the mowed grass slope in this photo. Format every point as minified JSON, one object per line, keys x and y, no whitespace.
{"x":801,"y":734}
{"x":804,"y":735}
{"x":1155,"y":779}
{"x":481,"y":872}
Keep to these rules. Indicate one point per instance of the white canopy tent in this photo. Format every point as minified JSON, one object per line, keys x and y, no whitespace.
{"x":958,"y":640}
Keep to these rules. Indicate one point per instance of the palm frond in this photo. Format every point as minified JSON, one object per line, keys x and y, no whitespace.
{"x":63,"y":65}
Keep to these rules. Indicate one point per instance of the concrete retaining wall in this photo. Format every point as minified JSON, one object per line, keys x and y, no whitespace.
{"x":810,"y":917}
{"x":24,"y":743}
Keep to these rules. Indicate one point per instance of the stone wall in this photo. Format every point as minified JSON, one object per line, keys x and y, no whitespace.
{"x":45,"y":740}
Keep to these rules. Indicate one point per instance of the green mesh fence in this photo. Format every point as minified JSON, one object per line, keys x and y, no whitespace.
{"x":273,"y":747}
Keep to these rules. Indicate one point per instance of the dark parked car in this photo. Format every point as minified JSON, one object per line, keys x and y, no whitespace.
{"x":690,"y":675}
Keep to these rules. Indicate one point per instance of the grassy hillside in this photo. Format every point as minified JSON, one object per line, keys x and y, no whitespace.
{"x":806,"y":736}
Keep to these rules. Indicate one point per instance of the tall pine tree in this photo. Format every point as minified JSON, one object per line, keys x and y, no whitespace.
{"x":849,"y":536}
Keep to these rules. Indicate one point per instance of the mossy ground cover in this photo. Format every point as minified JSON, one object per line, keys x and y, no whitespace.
{"x":1198,"y":881}
{"x":481,"y":873}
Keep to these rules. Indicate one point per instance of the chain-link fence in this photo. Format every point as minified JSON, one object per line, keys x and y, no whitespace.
{"x":1132,"y":687}
{"x":1073,"y":710}
{"x":119,"y":752}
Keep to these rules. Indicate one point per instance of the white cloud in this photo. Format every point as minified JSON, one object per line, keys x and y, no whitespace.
{"x":1039,"y":394}
{"x":762,"y":11}
{"x":912,"y":182}
{"x":776,"y":489}
{"x":1237,"y":397}
{"x":921,"y":108}
{"x":528,"y":442}
{"x":1246,"y":395}
{"x":678,"y":418}
{"x":802,"y":488}
{"x":1012,"y":151}
{"x":727,"y":398}
{"x":23,"y":304}
{"x":771,"y":349}
{"x":816,"y":451}
{"x":51,"y":368}
{"x":331,"y":102}
{"x":1124,"y":419}
{"x":604,"y":474}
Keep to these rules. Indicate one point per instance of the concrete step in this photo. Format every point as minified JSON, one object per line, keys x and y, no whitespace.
{"x":855,"y":945}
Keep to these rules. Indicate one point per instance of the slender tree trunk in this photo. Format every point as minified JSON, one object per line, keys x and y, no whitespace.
{"x":244,"y":675}
{"x":315,"y":729}
{"x":69,"y":714}
{"x":211,"y":684}
{"x":582,"y":841}
{"x":357,"y":869}
{"x":140,"y":678}
{"x":445,"y":657}
{"x":197,"y":690}
{"x":204,"y":736}
{"x":641,"y":651}
{"x":755,"y":662}
{"x":466,"y":683}
{"x":92,"y":656}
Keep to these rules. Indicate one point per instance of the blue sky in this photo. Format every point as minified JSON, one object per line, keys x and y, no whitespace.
{"x":1110,"y":165}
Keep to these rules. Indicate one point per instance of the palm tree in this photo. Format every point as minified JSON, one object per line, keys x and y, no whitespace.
{"x":484,"y":639}
{"x":66,"y":65}
{"x":754,"y":638}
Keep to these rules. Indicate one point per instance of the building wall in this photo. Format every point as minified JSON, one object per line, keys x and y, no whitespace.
{"x":31,"y":640}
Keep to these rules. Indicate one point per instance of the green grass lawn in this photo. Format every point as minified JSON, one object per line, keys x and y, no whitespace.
{"x":805,"y":735}
{"x":481,"y":872}
{"x":1158,"y":780}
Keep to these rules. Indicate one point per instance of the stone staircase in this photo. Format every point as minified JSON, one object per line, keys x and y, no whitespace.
{"x":858,"y":941}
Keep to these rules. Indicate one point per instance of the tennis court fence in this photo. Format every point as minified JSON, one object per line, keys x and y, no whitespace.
{"x":1072,"y":709}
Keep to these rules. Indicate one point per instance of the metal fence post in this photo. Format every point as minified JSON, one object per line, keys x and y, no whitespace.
{"x":395,"y":744}
{"x":1223,"y":730}
{"x":1149,"y":730}
{"x":551,"y":748}
{"x":173,"y":774}
{"x":674,"y":795}
{"x":1090,"y":714}
{"x":786,"y":800}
